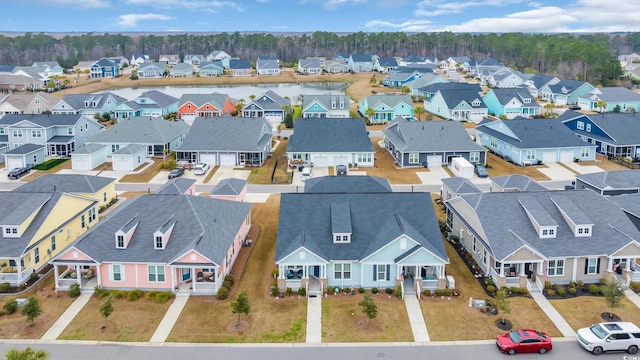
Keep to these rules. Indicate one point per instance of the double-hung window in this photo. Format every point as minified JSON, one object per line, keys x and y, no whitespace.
{"x":156,"y":273}
{"x":555,"y":268}
{"x":342,"y":271}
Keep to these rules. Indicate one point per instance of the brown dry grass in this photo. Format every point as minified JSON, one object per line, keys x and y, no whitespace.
{"x":605,"y":164}
{"x":384,"y":167}
{"x":499,"y":167}
{"x":130,"y":321}
{"x":262,"y":174}
{"x":212,"y":172}
{"x":146,"y":175}
{"x":205,"y":319}
{"x":37,"y":173}
{"x":341,"y":314}
{"x":53,"y":304}
{"x":440,"y":312}
{"x":583,"y":311}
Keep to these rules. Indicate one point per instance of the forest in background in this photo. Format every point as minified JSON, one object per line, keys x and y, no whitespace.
{"x":589,"y":57}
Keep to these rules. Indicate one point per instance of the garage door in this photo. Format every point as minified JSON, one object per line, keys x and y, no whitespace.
{"x":548,"y":157}
{"x":13,"y":163}
{"x":434,"y":160}
{"x":341,"y":160}
{"x":81,"y":164}
{"x":273,"y":117}
{"x":320,"y":161}
{"x":228,"y":160}
{"x":566,"y":156}
{"x":122,"y":165}
{"x":209,"y":159}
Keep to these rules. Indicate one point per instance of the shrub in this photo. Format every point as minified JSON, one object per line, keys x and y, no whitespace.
{"x":361,"y":290}
{"x":374,"y":290}
{"x":151,"y":295}
{"x":491,"y":288}
{"x":10,"y":306}
{"x":4,"y":287}
{"x":547,"y":285}
{"x":331,"y":290}
{"x":274,"y":291}
{"x":398,"y":291}
{"x":572,"y":291}
{"x":302,"y":291}
{"x":427,"y":292}
{"x":516,"y":290}
{"x":446,"y":292}
{"x":438,"y":292}
{"x":635,"y":286}
{"x":289,"y":291}
{"x":227,"y":284}
{"x":74,"y":290}
{"x":103,"y":294}
{"x":34,"y":276}
{"x":572,"y":285}
{"x":164,"y":296}
{"x":489,"y":282}
{"x":561,"y":291}
{"x":524,"y":291}
{"x":388,"y":291}
{"x":119,"y":294}
{"x":594,"y":289}
{"x":551,"y":292}
{"x":223,"y":293}
{"x":229,"y":278}
{"x":580,"y":283}
{"x":134,"y":295}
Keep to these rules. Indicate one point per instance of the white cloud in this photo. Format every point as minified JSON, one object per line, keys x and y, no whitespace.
{"x":131,"y":20}
{"x":263,"y":1}
{"x":195,"y":5}
{"x":546,"y":19}
{"x":441,"y":7}
{"x":79,"y":3}
{"x":411,"y":25}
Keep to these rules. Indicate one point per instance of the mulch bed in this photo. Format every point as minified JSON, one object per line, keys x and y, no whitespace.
{"x":506,"y":325}
{"x":610,"y":317}
{"x":31,"y":281}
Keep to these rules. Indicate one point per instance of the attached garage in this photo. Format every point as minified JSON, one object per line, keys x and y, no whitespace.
{"x":128,"y":158}
{"x":340,"y":160}
{"x":320,"y":161}
{"x":273,"y":117}
{"x":27,"y":155}
{"x":227,"y":159}
{"x":566,"y":156}
{"x":88,"y":157}
{"x":434,"y":160}
{"x":548,"y":157}
{"x":208,"y":158}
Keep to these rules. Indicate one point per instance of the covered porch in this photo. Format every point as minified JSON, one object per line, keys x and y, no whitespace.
{"x":524,"y":274}
{"x":61,"y":146}
{"x":13,"y":271}
{"x":203,"y":279}
{"x":84,"y":273}
{"x":312,"y":277}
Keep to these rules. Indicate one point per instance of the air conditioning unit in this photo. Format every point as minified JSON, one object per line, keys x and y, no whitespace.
{"x":48,"y":251}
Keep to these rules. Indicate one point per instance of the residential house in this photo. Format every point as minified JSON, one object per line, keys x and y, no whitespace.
{"x":566,"y":92}
{"x":142,"y":246}
{"x":99,"y":188}
{"x":414,"y":59}
{"x":151,"y":70}
{"x":386,"y":107}
{"x":341,"y":57}
{"x":27,"y":103}
{"x":213,"y":68}
{"x":10,"y":82}
{"x":421,"y":68}
{"x":218,"y":55}
{"x":170,"y":60}
{"x":511,"y":102}
{"x":128,"y":157}
{"x":194,"y":59}
{"x":268,"y":67}
{"x":24,"y":156}
{"x":269,"y":105}
{"x":526,"y":142}
{"x":88,"y":157}
{"x":554,"y":236}
{"x":331,"y":240}
{"x":428,"y":91}
{"x":628,"y":58}
{"x":330,"y":142}
{"x":609,"y":183}
{"x":158,"y":136}
{"x":515,"y":182}
{"x":484,"y":68}
{"x":457,"y":104}
{"x":335,"y":66}
{"x":181,"y":70}
{"x":455,"y":62}
{"x":121,"y":61}
{"x":104,"y":69}
{"x":425,"y":80}
{"x":227,"y":141}
{"x":326,"y":106}
{"x":616,"y":99}
{"x":385,"y":65}
{"x":506,"y":78}
{"x":614,"y":135}
{"x":139,"y":59}
{"x":178,"y":186}
{"x":54,"y":69}
{"x":360,"y":62}
{"x":59,"y":134}
{"x":431,"y":143}
{"x":151,"y":103}
{"x":399,"y":79}
{"x":309,"y":66}
{"x":191,"y":106}
{"x":456,"y":186}
{"x":230,"y":189}
{"x":88,"y":104}
{"x":537,"y":82}
{"x":239,"y":67}
{"x":347,"y":184}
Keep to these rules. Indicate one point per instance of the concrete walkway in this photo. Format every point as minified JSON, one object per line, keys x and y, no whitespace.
{"x":416,"y":319}
{"x":170,"y":318}
{"x":314,"y":320}
{"x":635,"y":299}
{"x":63,"y":321}
{"x":553,"y":314}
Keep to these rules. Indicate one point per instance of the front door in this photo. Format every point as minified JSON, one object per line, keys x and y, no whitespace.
{"x":529,"y":270}
{"x":316,"y":271}
{"x":186,"y":274}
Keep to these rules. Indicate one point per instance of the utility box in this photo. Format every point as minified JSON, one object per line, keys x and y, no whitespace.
{"x":461,"y":167}
{"x":451,"y":283}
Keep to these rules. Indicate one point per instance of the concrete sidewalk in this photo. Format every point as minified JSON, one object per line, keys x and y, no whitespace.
{"x":170,"y":318}
{"x":314,"y":320}
{"x":553,"y":314}
{"x":416,"y":319}
{"x":63,"y":321}
{"x":635,"y":299}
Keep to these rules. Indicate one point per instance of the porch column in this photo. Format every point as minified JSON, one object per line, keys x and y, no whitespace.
{"x":55,"y":275}
{"x":521,"y":270}
{"x":609,"y":263}
{"x":99,"y":275}
{"x":193,"y":282}
{"x":19,"y":267}
{"x":501,"y":269}
{"x":416,"y":273}
{"x":78,"y":275}
{"x":627,"y":265}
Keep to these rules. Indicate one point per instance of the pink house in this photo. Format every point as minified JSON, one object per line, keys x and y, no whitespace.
{"x":230,"y":189}
{"x":161,"y":241}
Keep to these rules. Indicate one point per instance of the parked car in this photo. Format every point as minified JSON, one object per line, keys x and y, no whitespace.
{"x":341,"y":169}
{"x":17,"y":173}
{"x":176,"y":173}
{"x":480,"y":170}
{"x":574,"y":107}
{"x":610,"y":336}
{"x":524,"y":341}
{"x":201,"y":169}
{"x":306,"y":173}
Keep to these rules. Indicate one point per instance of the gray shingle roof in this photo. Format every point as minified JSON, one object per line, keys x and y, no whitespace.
{"x":77,"y":101}
{"x":374,"y":101}
{"x":69,"y":183}
{"x":569,"y":85}
{"x":24,"y":149}
{"x":453,"y":98}
{"x":305,"y":220}
{"x":229,"y":186}
{"x":361,"y":58}
{"x":89,"y":149}
{"x":461,"y":185}
{"x":530,"y":134}
{"x":540,"y":80}
{"x":426,"y":136}
{"x":504,"y":95}
{"x":519,"y":182}
{"x":621,"y":129}
{"x":614,"y":94}
{"x":630,"y":203}
{"x":176,"y":186}
{"x":610,"y":180}
{"x":227,"y":133}
{"x":142,"y":130}
{"x":434,"y":88}
{"x":263,"y":64}
{"x":270,"y":100}
{"x":236,"y":64}
{"x":129,"y":149}
{"x":388,"y":62}
{"x":330,"y":135}
{"x":347,"y":184}
{"x":309,"y":63}
{"x":325,"y":101}
{"x":216,"y":99}
{"x":44,"y":120}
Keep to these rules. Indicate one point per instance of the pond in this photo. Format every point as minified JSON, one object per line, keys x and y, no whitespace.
{"x":292,"y":91}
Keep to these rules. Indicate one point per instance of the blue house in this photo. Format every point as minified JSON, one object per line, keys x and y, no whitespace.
{"x":104,"y":68}
{"x":211,"y":68}
{"x":511,"y":102}
{"x":428,"y":91}
{"x":151,"y":70}
{"x":618,"y":99}
{"x":399,"y":79}
{"x":88,"y":104}
{"x":566,"y":92}
{"x":614,"y":135}
{"x":329,"y":239}
{"x":360,"y":62}
{"x":325,"y":106}
{"x":457,"y":104}
{"x":152,"y":103}
{"x":386,"y":107}
{"x":268,"y":105}
{"x":526,"y":142}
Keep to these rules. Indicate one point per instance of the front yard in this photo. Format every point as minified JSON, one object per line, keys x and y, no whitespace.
{"x":584,"y":311}
{"x":385,"y":167}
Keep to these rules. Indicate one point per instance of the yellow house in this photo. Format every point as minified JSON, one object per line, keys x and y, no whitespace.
{"x":100,"y":188}
{"x":36,"y":226}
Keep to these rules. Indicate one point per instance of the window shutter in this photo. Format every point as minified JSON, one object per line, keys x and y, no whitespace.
{"x":598,"y":266}
{"x":388,"y":272}
{"x":375,"y":272}
{"x":586,"y":266}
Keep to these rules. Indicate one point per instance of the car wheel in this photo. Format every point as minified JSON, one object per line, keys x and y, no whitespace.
{"x":597,"y":351}
{"x":632,"y":349}
{"x":542,"y":350}
{"x":511,"y":352}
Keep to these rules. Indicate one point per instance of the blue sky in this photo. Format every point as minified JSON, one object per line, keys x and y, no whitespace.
{"x":115,"y":16}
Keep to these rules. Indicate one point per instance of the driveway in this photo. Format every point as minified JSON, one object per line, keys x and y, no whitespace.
{"x":557,"y":172}
{"x":225,"y":172}
{"x":583,"y":169}
{"x":433,"y":176}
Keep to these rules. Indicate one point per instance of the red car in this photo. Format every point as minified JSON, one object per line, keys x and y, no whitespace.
{"x":524,"y":341}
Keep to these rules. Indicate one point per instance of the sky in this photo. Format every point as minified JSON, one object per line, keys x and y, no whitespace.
{"x":498,"y":16}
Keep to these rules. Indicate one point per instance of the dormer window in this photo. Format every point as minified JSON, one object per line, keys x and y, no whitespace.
{"x":120,"y":244}
{"x":584,"y":230}
{"x":333,"y":105}
{"x":342,"y":238}
{"x":475,"y":102}
{"x":86,"y":104}
{"x":526,"y":100}
{"x":547,"y":232}
{"x":11,"y":232}
{"x":159,"y":243}
{"x":161,"y":236}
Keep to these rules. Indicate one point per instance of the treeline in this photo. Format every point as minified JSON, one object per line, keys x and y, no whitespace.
{"x":590,"y":57}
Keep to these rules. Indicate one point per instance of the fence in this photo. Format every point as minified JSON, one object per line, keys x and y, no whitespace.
{"x":629,"y":164}
{"x":281,"y":175}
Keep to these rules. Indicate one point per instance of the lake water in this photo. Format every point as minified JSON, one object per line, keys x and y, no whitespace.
{"x":240,"y":91}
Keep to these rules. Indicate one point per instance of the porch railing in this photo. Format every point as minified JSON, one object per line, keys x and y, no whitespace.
{"x":513,"y":281}
{"x":636,"y":276}
{"x":402,"y":288}
{"x":430,"y":284}
{"x":204,"y":286}
{"x":12,"y":277}
{"x":539,"y":283}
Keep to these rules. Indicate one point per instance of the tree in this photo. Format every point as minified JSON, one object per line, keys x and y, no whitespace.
{"x":419,"y":110}
{"x":373,"y":80}
{"x":549,"y":107}
{"x":26,"y":354}
{"x":288,"y":120}
{"x":502,"y":303}
{"x":106,"y":308}
{"x":613,"y":292}
{"x":601,"y":104}
{"x":369,"y":113}
{"x":241,"y":305}
{"x":369,"y":307}
{"x":252,"y":97}
{"x":32,"y":309}
{"x":405,"y":89}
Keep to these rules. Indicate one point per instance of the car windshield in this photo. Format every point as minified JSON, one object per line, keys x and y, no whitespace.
{"x":598,"y":331}
{"x":541,"y":334}
{"x":515,"y":336}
